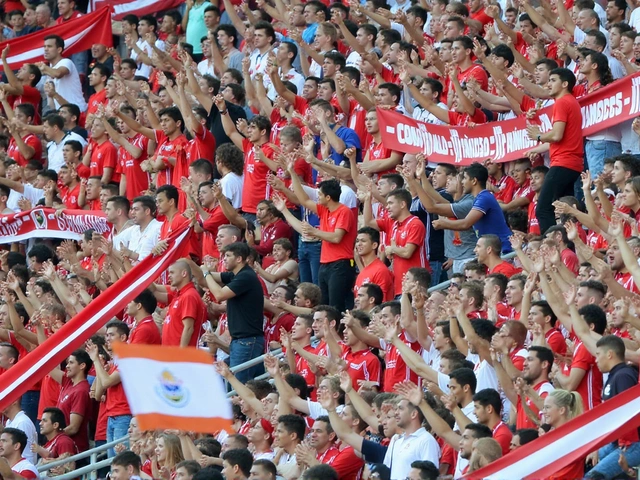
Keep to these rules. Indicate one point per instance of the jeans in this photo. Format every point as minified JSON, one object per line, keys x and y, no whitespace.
{"x":336,"y":283}
{"x":596,"y":151}
{"x":458,"y":265}
{"x":242,"y":350}
{"x":557,"y":183}
{"x":608,"y":455}
{"x":81,"y":61}
{"x":250,"y":217}
{"x":309,"y":261}
{"x":117,"y":427}
{"x":436,"y":272}
{"x":29,"y":405}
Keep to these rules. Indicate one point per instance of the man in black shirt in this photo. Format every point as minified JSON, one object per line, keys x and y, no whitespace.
{"x":242,"y":290}
{"x":610,"y":359}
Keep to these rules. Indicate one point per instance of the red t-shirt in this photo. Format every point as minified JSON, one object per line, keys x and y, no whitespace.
{"x":341,"y":218}
{"x":137,"y":180}
{"x":506,"y":269}
{"x":75,"y":399}
{"x":183,"y":304}
{"x":570,"y":260}
{"x":347,"y":464}
{"x":73,"y":16}
{"x":483,"y":18}
{"x":410,"y":231}
{"x":556,"y":341}
{"x":146,"y":333}
{"x":210,"y":226}
{"x":590,"y":387}
{"x":59,"y":445}
{"x":377,"y":151}
{"x":522,"y":420}
{"x":202,"y":146}
{"x":270,"y":233}
{"x":524,"y":191}
{"x":117,"y":403}
{"x":13,"y":152}
{"x":396,"y":369}
{"x":255,"y":187}
{"x":95,"y":100}
{"x":506,"y":187}
{"x":534,"y":226}
{"x":175,"y":148}
{"x":568,"y":152}
{"x":474,"y":71}
{"x":378,"y":273}
{"x":302,"y":368}
{"x":29,"y":95}
{"x":462,"y":119}
{"x":104,"y":155}
{"x":361,"y":365}
{"x":272,"y":330}
{"x":70,"y":196}
{"x":503,"y":435}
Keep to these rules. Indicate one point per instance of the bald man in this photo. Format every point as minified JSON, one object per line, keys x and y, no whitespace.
{"x":186,"y":312}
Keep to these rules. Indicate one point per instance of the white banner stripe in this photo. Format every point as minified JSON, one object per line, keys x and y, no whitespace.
{"x":40,"y":234}
{"x":153,"y":271}
{"x":586,"y":434}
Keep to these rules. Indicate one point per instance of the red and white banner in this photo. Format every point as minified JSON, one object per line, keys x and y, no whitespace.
{"x":569,"y":443}
{"x":44,"y":223}
{"x":79,"y":35}
{"x":34,"y":366}
{"x":135,"y":7}
{"x":507,"y":140}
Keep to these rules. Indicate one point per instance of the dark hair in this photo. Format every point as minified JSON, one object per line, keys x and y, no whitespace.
{"x":613,"y":343}
{"x":17,"y":436}
{"x":238,"y":249}
{"x":127,"y":458}
{"x":171,"y":192}
{"x":120,"y":202}
{"x":479,"y":172}
{"x":337,"y":58}
{"x":390,"y":36}
{"x":191,"y":466}
{"x":49,"y":175}
{"x":331,"y":188}
{"x":240,"y":457}
{"x":604,"y":70}
{"x":151,"y":20}
{"x":81,"y":357}
{"x":428,"y":471}
{"x":74,"y":110}
{"x":57,"y":416}
{"x":202,"y":165}
{"x":479,"y":430}
{"x":174,"y":114}
{"x":527,"y":435}
{"x":465,"y":376}
{"x":594,"y":315}
{"x":297,"y":381}
{"x":41,"y":252}
{"x":261,"y":123}
{"x":268,"y":465}
{"x":208,"y":473}
{"x":421,"y":276}
{"x":546,"y":310}
{"x":484,"y":329}
{"x":147,"y":202}
{"x":599,"y":37}
{"x":54,"y":120}
{"x":565,"y":75}
{"x":500,"y":280}
{"x":374,"y":291}
{"x":12,"y":351}
{"x":488,"y":396}
{"x":120,"y":326}
{"x":293,"y":424}
{"x":75,"y":145}
{"x":544,"y":354}
{"x":526,"y":18}
{"x":268,"y":28}
{"x":58,"y":39}
{"x":320,"y":472}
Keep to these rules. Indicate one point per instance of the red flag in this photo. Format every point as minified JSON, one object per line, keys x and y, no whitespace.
{"x":135,"y":7}
{"x":35,"y":365}
{"x":79,"y":35}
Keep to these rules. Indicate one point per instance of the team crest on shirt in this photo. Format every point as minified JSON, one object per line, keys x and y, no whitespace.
{"x":332,"y":221}
{"x":403,"y":235}
{"x":171,"y":390}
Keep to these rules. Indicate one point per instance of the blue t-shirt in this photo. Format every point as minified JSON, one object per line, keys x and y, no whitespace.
{"x":492,"y":220}
{"x":350,"y":139}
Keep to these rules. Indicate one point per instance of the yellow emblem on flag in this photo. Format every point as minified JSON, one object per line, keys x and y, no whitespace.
{"x":171,"y":390}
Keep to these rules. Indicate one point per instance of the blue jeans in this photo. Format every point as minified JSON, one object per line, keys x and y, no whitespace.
{"x":242,"y":350}
{"x":29,"y":405}
{"x":436,"y":272}
{"x":309,"y":261}
{"x":608,"y":455}
{"x":117,"y":427}
{"x":596,"y":151}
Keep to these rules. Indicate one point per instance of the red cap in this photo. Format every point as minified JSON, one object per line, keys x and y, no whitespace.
{"x":266,"y":426}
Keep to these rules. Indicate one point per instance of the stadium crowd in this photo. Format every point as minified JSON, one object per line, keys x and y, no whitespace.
{"x":254,"y":123}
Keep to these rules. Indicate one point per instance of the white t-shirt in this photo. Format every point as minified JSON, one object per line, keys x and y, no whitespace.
{"x":405,"y":449}
{"x":24,"y":423}
{"x":423,"y":115}
{"x":69,"y":86}
{"x":54,"y":150}
{"x":232,"y":188}
{"x":144,"y":70}
{"x":205,"y":67}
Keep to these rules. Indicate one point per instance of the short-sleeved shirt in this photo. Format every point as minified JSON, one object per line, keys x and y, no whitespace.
{"x":103,"y":155}
{"x":75,"y":399}
{"x":505,"y":187}
{"x":492,"y":220}
{"x":145,"y":332}
{"x":351,"y":140}
{"x":117,"y":404}
{"x":137,"y":180}
{"x":378,"y":273}
{"x":69,"y":86}
{"x":361,"y":365}
{"x":176,"y":148}
{"x":202,"y":145}
{"x":568,"y":152}
{"x":26,"y":469}
{"x":590,"y":387}
{"x":410,"y":231}
{"x":255,"y":188}
{"x":244,"y":311}
{"x":185,"y":303}
{"x":13,"y":152}
{"x":459,"y":245}
{"x":60,"y":445}
{"x":341,"y":218}
{"x":506,"y":269}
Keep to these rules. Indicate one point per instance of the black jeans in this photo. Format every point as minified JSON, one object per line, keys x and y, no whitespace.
{"x":336,"y":282}
{"x":557,"y":183}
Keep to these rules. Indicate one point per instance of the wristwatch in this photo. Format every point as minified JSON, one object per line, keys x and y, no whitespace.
{"x":206,"y":273}
{"x":539,"y":138}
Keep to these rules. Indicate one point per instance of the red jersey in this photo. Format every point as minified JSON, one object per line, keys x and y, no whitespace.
{"x":117,"y":403}
{"x":341,"y":218}
{"x":184,"y":303}
{"x":26,"y":469}
{"x":502,"y":434}
{"x":70,"y":196}
{"x":534,"y":226}
{"x":378,"y":273}
{"x":347,"y":464}
{"x":272,"y":330}
{"x":104,"y":155}
{"x":270,"y":233}
{"x":177,"y":149}
{"x":302,"y":367}
{"x":505,"y":187}
{"x":524,"y":191}
{"x":29,"y":95}
{"x":356,"y":123}
{"x":59,"y":445}
{"x":556,"y":341}
{"x":463,"y":119}
{"x":377,"y":151}
{"x":146,"y":332}
{"x":474,"y":71}
{"x":60,"y":20}
{"x":522,"y":420}
{"x":570,"y":260}
{"x":506,"y":269}
{"x":590,"y":387}
{"x":210,"y":226}
{"x":95,"y":100}
{"x":255,"y":187}
{"x":361,"y":365}
{"x":75,"y":399}
{"x":626,"y":280}
{"x":568,"y":152}
{"x":201,"y":146}
{"x":13,"y":152}
{"x":396,"y":369}
{"x":137,"y":180}
{"x":410,"y":231}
